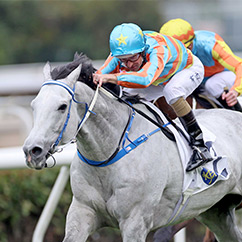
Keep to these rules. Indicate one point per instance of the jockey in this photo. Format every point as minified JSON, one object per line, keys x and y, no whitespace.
{"x":223,"y":69}
{"x":155,"y":65}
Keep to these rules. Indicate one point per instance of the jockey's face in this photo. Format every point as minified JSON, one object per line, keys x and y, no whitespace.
{"x":134,"y":62}
{"x":189,"y":43}
{"x":190,"y":46}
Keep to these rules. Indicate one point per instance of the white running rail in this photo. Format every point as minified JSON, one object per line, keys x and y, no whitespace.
{"x":13,"y":158}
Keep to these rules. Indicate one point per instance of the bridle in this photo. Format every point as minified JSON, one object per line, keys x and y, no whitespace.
{"x":88,"y":111}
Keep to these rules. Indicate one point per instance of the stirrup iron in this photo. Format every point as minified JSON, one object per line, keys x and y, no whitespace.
{"x":198,"y":158}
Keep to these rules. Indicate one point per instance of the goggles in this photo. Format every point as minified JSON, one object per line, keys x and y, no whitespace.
{"x":131,"y":59}
{"x":190,"y":40}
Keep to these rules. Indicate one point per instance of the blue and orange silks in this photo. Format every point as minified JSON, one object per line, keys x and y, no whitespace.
{"x":216,"y":56}
{"x":164,"y":57}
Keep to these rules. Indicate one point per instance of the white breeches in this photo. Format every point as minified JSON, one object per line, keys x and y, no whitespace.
{"x":215,"y":85}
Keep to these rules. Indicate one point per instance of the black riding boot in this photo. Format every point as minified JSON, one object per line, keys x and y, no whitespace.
{"x":200,"y":155}
{"x":236,"y":107}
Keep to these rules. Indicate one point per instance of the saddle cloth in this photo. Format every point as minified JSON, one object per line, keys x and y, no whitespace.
{"x":206,"y":175}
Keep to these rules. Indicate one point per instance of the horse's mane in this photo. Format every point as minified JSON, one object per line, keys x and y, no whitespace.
{"x":132,"y":98}
{"x":87,"y":70}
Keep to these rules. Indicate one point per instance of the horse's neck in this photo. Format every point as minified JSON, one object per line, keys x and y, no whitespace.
{"x":102,"y":130}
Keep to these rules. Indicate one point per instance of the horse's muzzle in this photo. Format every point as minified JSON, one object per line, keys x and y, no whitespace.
{"x":35,"y":157}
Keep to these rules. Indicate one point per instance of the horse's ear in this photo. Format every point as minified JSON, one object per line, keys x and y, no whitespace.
{"x":73,"y":76}
{"x":76,"y":55}
{"x":47,"y":71}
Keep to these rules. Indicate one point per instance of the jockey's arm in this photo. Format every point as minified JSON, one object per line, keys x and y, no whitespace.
{"x":148,"y":73}
{"x":100,"y":79}
{"x":230,"y":97}
{"x":224,"y":55}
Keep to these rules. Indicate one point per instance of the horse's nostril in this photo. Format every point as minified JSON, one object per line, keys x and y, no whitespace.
{"x":36,"y":151}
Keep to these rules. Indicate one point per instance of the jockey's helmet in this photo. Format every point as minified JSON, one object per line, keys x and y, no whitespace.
{"x":179,"y":29}
{"x":126,"y":39}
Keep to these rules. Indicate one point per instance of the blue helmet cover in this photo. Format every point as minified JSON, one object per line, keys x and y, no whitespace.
{"x":126,"y":39}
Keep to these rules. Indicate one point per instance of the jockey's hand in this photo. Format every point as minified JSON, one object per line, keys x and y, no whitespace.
{"x":100,"y":79}
{"x":230,"y":97}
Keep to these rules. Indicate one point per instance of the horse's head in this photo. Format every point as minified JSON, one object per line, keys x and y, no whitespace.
{"x":51,"y":107}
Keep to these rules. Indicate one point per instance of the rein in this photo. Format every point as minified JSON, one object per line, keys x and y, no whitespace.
{"x":111,"y":158}
{"x":119,"y":153}
{"x":162,"y":127}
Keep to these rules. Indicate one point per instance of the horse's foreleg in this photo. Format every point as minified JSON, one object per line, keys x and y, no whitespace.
{"x":134,"y":229}
{"x":81,"y":221}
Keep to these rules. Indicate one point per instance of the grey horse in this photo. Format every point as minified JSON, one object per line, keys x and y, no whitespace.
{"x":138,"y":191}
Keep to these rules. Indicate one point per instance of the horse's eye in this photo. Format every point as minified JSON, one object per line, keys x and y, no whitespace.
{"x":62,"y":107}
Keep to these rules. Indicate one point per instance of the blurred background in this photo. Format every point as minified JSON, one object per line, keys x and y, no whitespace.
{"x":33,"y":32}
